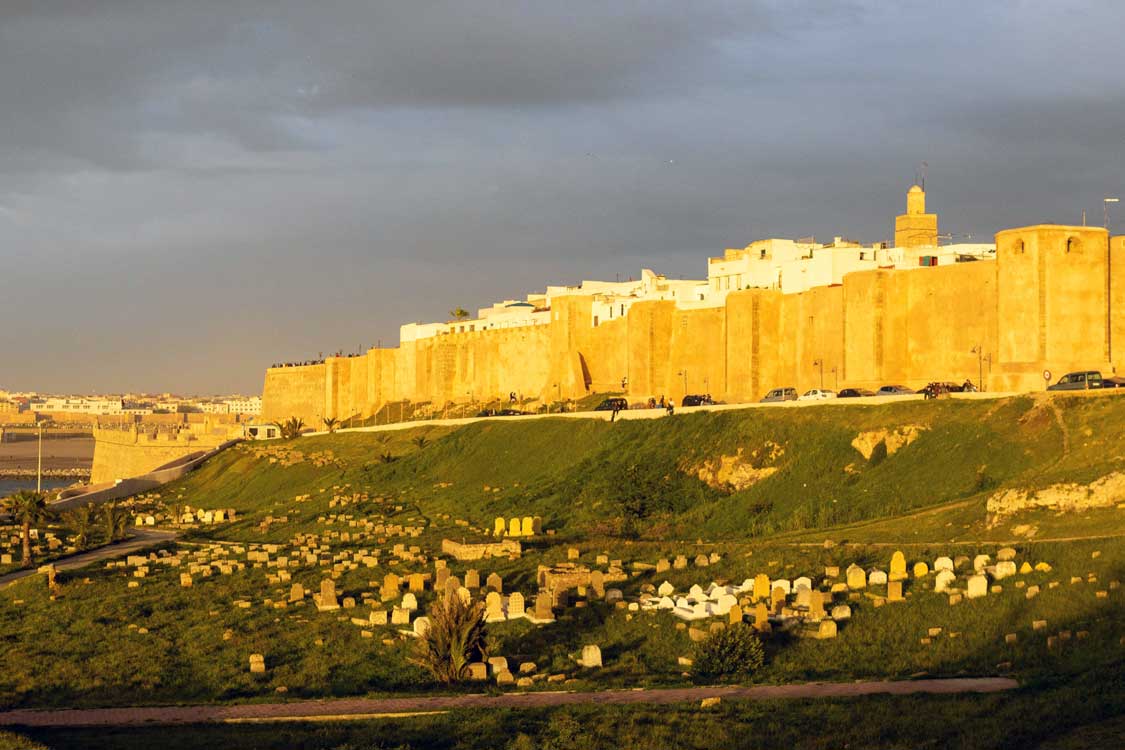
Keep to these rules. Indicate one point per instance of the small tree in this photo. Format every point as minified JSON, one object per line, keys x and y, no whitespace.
{"x":114,"y":522}
{"x":81,"y":522}
{"x":456,"y":638}
{"x":291,"y":428}
{"x":459,"y":313}
{"x":420,"y":441}
{"x":29,"y":509}
{"x":734,"y":651}
{"x":331,"y":423}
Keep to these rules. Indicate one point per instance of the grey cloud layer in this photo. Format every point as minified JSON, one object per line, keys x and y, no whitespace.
{"x":278,"y":179}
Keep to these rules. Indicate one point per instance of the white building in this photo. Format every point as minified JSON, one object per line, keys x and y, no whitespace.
{"x":241,"y":405}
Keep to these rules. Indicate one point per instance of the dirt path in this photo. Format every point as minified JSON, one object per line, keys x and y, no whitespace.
{"x":141,"y":539}
{"x":358,"y":708}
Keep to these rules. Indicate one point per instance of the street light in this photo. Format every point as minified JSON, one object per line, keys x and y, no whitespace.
{"x":1105,"y":209}
{"x":684,"y":374}
{"x":39,"y":466}
{"x":981,"y":357}
{"x":820,"y":363}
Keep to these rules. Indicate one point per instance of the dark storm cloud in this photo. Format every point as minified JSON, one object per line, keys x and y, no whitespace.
{"x":269,"y":180}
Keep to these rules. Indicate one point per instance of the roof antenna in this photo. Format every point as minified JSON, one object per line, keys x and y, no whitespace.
{"x":924,"y":167}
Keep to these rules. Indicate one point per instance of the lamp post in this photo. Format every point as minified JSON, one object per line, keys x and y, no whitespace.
{"x":981,"y":357}
{"x":39,"y":463}
{"x":684,"y":374}
{"x":820,"y":363}
{"x":1105,"y":209}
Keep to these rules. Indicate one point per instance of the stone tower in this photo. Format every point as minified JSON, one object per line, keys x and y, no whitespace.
{"x":1053,"y":304}
{"x":916,"y":228}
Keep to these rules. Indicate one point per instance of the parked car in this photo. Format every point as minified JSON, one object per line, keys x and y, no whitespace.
{"x":612,"y":404}
{"x":817,"y":394}
{"x":697,"y":400}
{"x":511,"y":413}
{"x":1078,"y":381}
{"x":855,"y":393}
{"x":894,"y":390}
{"x":780,"y":394}
{"x":1114,"y":382}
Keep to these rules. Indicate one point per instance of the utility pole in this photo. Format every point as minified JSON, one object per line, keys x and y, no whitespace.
{"x":39,"y":468}
{"x":820,"y":363}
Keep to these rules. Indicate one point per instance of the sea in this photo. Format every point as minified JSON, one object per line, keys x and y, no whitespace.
{"x":11,"y":485}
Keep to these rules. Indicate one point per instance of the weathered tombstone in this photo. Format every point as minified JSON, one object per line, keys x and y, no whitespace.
{"x":804,"y":598}
{"x":573,"y":553}
{"x":421,"y":626}
{"x":841,"y":612}
{"x":663,"y":565}
{"x":762,"y":586}
{"x":804,"y":582}
{"x":409,"y":601}
{"x":944,"y":580}
{"x":877,"y":578}
{"x":665,"y":589}
{"x":761,"y":618}
{"x":185,"y":580}
{"x":680,"y":563}
{"x":296,"y":593}
{"x":826,"y":629}
{"x":440,"y":578}
{"x":257,"y":664}
{"x":416,"y":582}
{"x":493,"y":607}
{"x":494,"y":583}
{"x":527,"y":526}
{"x":702,"y":561}
{"x":980,"y":562}
{"x":898,"y":566}
{"x":516,"y":606}
{"x":514,"y":527}
{"x":472,"y":579}
{"x":1004,"y":569}
{"x":777,"y":599}
{"x":943,"y":563}
{"x":1005,"y":554}
{"x":591,"y":656}
{"x":977,"y":587}
{"x":894,"y":591}
{"x":400,"y":616}
{"x":543,"y":611}
{"x":921,"y":570}
{"x":734,"y":614}
{"x":783,"y":584}
{"x":816,"y":605}
{"x":597,"y":583}
{"x":478,"y":671}
{"x":326,"y":599}
{"x":499,"y":527}
{"x":857,"y":578}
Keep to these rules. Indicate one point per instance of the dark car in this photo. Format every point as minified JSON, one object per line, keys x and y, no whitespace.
{"x":1078,"y":381}
{"x":1114,"y":382}
{"x":855,"y":393}
{"x":612,"y":404}
{"x":894,"y":390}
{"x":511,"y":413}
{"x":487,"y":413}
{"x":704,"y":400}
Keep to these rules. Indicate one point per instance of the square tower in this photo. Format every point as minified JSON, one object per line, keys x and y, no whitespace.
{"x":916,"y":228}
{"x":1052,"y":303}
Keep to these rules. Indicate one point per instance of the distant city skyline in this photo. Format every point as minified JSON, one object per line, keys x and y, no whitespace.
{"x":190,"y":192}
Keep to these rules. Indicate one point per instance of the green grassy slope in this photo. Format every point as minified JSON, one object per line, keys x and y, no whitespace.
{"x":584,"y":475}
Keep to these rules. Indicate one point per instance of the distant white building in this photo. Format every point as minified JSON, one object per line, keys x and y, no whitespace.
{"x":79,"y":405}
{"x":240,"y":405}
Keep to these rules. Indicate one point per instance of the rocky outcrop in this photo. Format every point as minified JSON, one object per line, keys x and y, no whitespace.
{"x":897,"y":438}
{"x":737,"y":472}
{"x":1107,"y":492}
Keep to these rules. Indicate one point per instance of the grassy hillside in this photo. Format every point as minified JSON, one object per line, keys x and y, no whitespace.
{"x":642,"y":476}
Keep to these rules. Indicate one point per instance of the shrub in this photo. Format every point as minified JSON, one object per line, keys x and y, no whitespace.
{"x":456,"y":637}
{"x":734,"y":651}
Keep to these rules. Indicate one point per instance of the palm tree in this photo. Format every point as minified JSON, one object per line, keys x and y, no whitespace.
{"x":29,"y":509}
{"x":291,"y":428}
{"x":81,"y":522}
{"x":459,"y":313}
{"x":331,"y":423}
{"x":421,"y":442}
{"x":114,"y":522}
{"x":456,"y":638}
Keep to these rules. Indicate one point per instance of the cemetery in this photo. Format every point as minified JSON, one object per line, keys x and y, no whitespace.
{"x":313,"y":570}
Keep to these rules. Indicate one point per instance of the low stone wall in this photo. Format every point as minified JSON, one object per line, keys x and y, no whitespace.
{"x":506,"y":548}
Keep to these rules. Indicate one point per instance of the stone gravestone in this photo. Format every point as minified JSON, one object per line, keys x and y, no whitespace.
{"x":440,"y":578}
{"x":516,"y":606}
{"x":543,"y":611}
{"x":296,"y":593}
{"x":527,"y":526}
{"x":898,"y":566}
{"x":921,"y":570}
{"x":514,"y":527}
{"x":257,"y":664}
{"x":943,"y":563}
{"x":777,"y":599}
{"x":409,"y":601}
{"x":734,"y":614}
{"x":472,"y":579}
{"x":680,"y":562}
{"x":943,"y":581}
{"x":877,"y":578}
{"x":326,"y":600}
{"x":894,"y":591}
{"x":761,"y":618}
{"x":597,"y":583}
{"x":857,"y":578}
{"x":591,"y":656}
{"x":499,"y":527}
{"x":761,"y":586}
{"x":977,"y":587}
{"x":816,"y":606}
{"x":494,"y":583}
{"x":416,"y":582}
{"x":493,"y":607}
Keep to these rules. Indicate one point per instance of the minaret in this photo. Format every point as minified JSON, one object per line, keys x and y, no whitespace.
{"x":916,"y":228}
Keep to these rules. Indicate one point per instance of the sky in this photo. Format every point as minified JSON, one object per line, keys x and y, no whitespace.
{"x":191,"y":191}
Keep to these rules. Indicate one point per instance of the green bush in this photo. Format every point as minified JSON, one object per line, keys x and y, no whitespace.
{"x":734,"y":651}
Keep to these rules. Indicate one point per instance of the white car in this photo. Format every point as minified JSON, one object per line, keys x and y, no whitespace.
{"x":817,"y":394}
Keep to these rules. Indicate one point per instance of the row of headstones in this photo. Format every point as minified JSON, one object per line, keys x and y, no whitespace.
{"x":526,"y":526}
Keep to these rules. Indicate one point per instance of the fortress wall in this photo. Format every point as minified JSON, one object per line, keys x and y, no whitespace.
{"x":120,"y":454}
{"x":294,"y":391}
{"x":1116,"y":311}
{"x":1038,"y":306}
